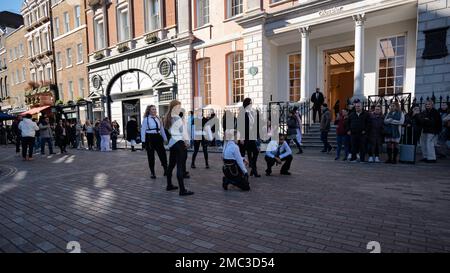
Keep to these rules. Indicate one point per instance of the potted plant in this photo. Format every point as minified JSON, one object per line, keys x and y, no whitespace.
{"x":59,"y":102}
{"x":151,"y":38}
{"x":98,"y":55}
{"x":122,"y":47}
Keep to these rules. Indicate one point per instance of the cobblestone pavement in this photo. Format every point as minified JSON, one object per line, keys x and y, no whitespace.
{"x":107,"y":203}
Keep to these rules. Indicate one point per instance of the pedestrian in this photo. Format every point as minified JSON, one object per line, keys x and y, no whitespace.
{"x":337,"y":108}
{"x":412,"y":126}
{"x":292,"y":131}
{"x":441,"y":148}
{"x":105,"y":131}
{"x":153,"y":137}
{"x":46,"y":133}
{"x":393,"y":131}
{"x":62,"y":136}
{"x":342,"y":138}
{"x":251,"y":135}
{"x":73,"y":134}
{"x":277,"y":152}
{"x":98,"y":138}
{"x":28,"y":129}
{"x":17,"y":133}
{"x":317,"y":99}
{"x":132,"y":133}
{"x":375,"y":134}
{"x":37,"y":138}
{"x":115,"y":134}
{"x":431,"y":124}
{"x":201,"y":132}
{"x":325,"y":125}
{"x":178,"y":143}
{"x":358,"y":128}
{"x":89,"y":131}
{"x":234,"y":170}
{"x":78,"y":135}
{"x":298,"y":118}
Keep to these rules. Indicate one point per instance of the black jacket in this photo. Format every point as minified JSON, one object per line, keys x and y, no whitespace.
{"x":430,"y":121}
{"x":132,"y":130}
{"x":317,"y":101}
{"x":358,"y":124}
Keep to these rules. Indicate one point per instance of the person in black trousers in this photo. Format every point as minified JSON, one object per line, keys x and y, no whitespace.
{"x":278,"y":152}
{"x":317,"y":99}
{"x":18,"y":134}
{"x":62,"y":136}
{"x":153,"y":136}
{"x":251,"y":134}
{"x":199,"y":123}
{"x":28,"y":129}
{"x":132,"y":132}
{"x":359,"y":126}
{"x":178,"y":143}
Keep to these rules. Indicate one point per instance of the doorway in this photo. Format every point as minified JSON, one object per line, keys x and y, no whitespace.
{"x":339,"y":75}
{"x":131,"y":108}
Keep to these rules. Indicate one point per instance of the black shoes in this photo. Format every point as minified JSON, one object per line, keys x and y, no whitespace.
{"x":193,"y":166}
{"x":185,"y":193}
{"x":153,"y":176}
{"x":285,"y":173}
{"x":430,"y":161}
{"x":207,"y":166}
{"x":268,"y":173}
{"x":224,"y":183}
{"x":171,"y":188}
{"x":186,"y":175}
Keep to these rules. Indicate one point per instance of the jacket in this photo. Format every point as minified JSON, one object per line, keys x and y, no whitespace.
{"x":358,"y":123}
{"x":292,"y":126}
{"x":28,"y":128}
{"x":105,"y":128}
{"x":430,"y":121}
{"x":132,"y":130}
{"x":317,"y":101}
{"x":45,"y":130}
{"x":342,"y":126}
{"x":325,"y":121}
{"x":376,"y":125}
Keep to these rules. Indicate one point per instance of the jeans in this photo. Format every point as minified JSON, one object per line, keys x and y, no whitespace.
{"x":324,"y":139}
{"x":90,"y":140}
{"x":49,"y":141}
{"x":37,"y":142}
{"x":105,"y":143}
{"x":358,"y":142}
{"x":342,"y":140}
{"x":204,"y":144}
{"x":427,"y":142}
{"x":284,"y":168}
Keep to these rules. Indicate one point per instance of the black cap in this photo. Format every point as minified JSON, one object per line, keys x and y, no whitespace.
{"x":356,"y":101}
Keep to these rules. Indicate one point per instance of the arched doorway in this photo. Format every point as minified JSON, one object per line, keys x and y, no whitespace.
{"x":128,"y":94}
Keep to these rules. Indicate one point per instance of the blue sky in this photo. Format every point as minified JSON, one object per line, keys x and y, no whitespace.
{"x":11,"y":5}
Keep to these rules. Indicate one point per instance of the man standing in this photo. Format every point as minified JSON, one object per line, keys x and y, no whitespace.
{"x":277,"y":152}
{"x":46,"y":134}
{"x":105,"y":134}
{"x":325,"y":128}
{"x":359,"y":123}
{"x":431,"y":126}
{"x":317,"y":99}
{"x":17,"y":133}
{"x":28,"y":129}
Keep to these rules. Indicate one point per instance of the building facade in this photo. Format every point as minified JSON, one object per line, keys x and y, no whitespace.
{"x":139,"y":54}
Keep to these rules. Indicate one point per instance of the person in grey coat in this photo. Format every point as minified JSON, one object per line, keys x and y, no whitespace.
{"x":46,"y":133}
{"x":325,"y":128}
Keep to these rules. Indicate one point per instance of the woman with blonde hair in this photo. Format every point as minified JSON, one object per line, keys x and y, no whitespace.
{"x":392,"y":129}
{"x":153,"y":136}
{"x":178,"y":143}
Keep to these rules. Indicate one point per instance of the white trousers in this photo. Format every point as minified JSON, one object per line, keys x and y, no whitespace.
{"x":299,"y":135}
{"x":104,"y":145}
{"x":427,"y":143}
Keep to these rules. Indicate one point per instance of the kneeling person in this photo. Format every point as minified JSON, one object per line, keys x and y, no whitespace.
{"x":234,"y":169}
{"x":277,"y":152}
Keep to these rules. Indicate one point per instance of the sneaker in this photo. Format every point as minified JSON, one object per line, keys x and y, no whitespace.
{"x":354,"y":161}
{"x":349,"y":157}
{"x":371,"y":160}
{"x":357,"y":156}
{"x":185,"y":193}
{"x":377,"y":159}
{"x":337,"y":158}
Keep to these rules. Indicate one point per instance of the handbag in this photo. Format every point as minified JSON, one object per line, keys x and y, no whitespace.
{"x":138,"y":140}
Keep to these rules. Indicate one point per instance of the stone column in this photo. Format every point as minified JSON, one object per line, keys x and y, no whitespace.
{"x":358,"y":88}
{"x":305,"y":31}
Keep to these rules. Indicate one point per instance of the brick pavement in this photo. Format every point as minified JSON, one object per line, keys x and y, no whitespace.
{"x":107,"y":203}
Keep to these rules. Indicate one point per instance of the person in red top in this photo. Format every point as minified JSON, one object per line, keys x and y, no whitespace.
{"x":342,"y":138}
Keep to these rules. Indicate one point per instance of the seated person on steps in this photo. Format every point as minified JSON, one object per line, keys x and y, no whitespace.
{"x":234,"y":169}
{"x":277,"y":152}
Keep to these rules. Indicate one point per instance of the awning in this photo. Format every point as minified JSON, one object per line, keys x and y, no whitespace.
{"x":35,"y":110}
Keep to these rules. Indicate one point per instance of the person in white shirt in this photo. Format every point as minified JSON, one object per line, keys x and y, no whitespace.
{"x":234,"y":169}
{"x":277,"y":152}
{"x":178,"y":143}
{"x":200,"y":130}
{"x":153,"y":136}
{"x":28,"y":129}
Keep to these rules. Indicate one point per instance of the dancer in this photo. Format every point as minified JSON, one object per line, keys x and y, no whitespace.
{"x":277,"y":152}
{"x":234,"y":169}
{"x":199,"y":138}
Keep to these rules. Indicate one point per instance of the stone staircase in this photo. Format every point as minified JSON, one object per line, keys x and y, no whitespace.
{"x":311,"y":139}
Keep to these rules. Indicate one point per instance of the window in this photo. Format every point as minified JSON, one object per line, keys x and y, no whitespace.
{"x":69,"y":57}
{"x":16,"y":53}
{"x":123,"y":26}
{"x":235,"y":63}
{"x":30,"y":48}
{"x":58,"y":60}
{"x":204,"y":80}
{"x":38,"y":48}
{"x":294,"y":77}
{"x":41,"y":75}
{"x":6,"y":86}
{"x":60,"y":92}
{"x":152,"y":12}
{"x":234,"y":8}
{"x":33,"y":76}
{"x":202,"y":12}
{"x":21,"y":50}
{"x":10,"y":55}
{"x":17,"y":76}
{"x":79,"y":53}
{"x":24,"y":74}
{"x":77,"y":16}
{"x":71,"y":90}
{"x":47,"y":46}
{"x":99,"y":34}
{"x":49,"y":73}
{"x":81,"y":87}
{"x":66,"y":22}
{"x":56,"y":27}
{"x":391,"y":69}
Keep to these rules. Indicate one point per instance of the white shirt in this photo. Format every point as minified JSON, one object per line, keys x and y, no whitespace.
{"x":28,"y":128}
{"x":178,"y":131}
{"x":231,"y":152}
{"x":273,"y":148}
{"x":150,"y":125}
